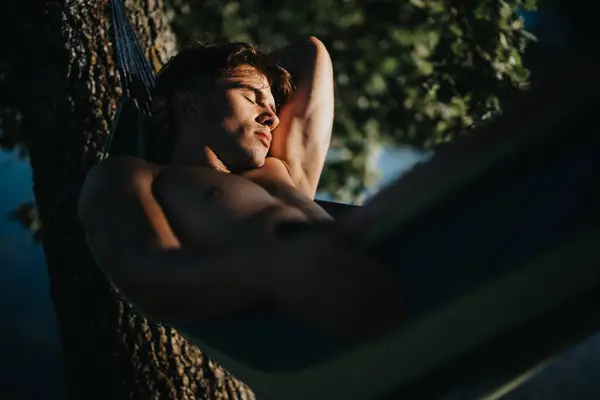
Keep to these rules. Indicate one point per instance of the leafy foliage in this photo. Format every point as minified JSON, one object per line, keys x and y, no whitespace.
{"x":412,"y":72}
{"x":10,"y":117}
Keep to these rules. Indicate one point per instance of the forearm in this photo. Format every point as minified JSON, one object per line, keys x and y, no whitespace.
{"x":184,"y":285}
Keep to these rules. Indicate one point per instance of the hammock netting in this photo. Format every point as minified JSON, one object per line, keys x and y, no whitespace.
{"x":501,"y":255}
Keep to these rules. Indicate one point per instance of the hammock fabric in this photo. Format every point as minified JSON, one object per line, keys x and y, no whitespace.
{"x":502,"y":258}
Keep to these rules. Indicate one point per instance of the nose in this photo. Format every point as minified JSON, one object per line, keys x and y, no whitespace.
{"x":268,"y":119}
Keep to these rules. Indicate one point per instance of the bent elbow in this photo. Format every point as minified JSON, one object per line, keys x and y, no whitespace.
{"x":316,"y":42}
{"x":319,"y":48}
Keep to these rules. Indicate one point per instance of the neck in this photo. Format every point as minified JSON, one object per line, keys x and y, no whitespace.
{"x":182,"y":156}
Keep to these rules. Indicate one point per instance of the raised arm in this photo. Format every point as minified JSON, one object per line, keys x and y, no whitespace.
{"x":302,"y":138}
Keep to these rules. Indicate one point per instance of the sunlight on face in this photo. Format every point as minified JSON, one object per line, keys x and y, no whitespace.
{"x":246,"y":118}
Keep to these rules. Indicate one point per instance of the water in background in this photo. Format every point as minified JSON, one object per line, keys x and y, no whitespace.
{"x":29,"y":347}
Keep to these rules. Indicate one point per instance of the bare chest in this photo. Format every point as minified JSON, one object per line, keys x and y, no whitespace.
{"x":206,"y":208}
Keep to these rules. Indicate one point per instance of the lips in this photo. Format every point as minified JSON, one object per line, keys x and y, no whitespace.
{"x":265,"y":137}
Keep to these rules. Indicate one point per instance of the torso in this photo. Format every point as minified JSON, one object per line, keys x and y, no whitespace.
{"x":207,"y":208}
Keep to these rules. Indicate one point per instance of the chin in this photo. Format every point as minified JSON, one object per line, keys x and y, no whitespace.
{"x":252,"y":161}
{"x":257,"y":158}
{"x":255,"y":164}
{"x":259,"y":163}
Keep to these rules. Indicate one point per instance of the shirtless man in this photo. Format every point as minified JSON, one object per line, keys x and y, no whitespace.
{"x":196,"y":233}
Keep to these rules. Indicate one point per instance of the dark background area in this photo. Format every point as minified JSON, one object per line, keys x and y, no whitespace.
{"x":29,"y":347}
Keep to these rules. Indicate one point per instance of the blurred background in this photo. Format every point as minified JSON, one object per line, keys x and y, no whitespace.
{"x":410,"y":76}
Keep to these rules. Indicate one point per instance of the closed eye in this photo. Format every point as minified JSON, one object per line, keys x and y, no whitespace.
{"x":258,"y":94}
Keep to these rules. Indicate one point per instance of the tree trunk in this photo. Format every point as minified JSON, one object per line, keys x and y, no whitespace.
{"x":69,"y":87}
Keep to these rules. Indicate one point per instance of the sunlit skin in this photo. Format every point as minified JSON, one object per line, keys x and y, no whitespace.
{"x":198,"y":239}
{"x":234,"y":125}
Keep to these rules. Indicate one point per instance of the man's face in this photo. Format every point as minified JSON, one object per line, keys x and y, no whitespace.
{"x":239,"y":120}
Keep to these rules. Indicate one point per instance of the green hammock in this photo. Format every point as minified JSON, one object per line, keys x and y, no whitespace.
{"x":501,"y":257}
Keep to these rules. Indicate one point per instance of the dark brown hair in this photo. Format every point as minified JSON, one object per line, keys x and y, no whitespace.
{"x":202,"y":65}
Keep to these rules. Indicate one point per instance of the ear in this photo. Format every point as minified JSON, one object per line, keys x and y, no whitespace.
{"x":159,"y":104}
{"x":160,"y":116}
{"x":185,"y":107}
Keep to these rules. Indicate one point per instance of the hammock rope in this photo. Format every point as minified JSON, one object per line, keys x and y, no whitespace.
{"x":136,"y":72}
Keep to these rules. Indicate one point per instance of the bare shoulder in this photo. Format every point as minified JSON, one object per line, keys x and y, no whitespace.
{"x":274,"y":169}
{"x":120,"y":169}
{"x":111,"y":178}
{"x":120,"y":215}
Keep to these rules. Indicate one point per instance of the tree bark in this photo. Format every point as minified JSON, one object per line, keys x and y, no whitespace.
{"x":69,"y":95}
